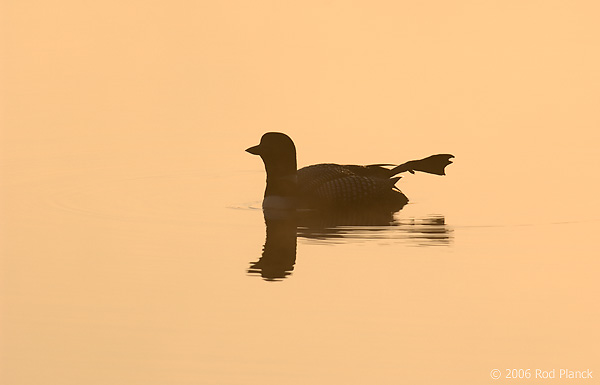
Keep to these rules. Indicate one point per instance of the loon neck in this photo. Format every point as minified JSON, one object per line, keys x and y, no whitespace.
{"x":284,"y":186}
{"x":282,"y":182}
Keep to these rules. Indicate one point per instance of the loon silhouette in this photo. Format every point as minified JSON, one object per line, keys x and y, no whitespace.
{"x":329,"y":185}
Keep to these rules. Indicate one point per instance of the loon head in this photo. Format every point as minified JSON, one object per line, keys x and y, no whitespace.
{"x":279,"y":156}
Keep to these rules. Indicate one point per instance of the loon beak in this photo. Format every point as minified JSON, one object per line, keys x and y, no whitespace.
{"x":254,"y":150}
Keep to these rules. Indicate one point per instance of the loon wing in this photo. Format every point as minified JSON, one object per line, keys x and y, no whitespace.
{"x":347,"y":185}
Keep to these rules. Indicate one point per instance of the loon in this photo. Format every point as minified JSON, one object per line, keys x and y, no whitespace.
{"x":333,"y":186}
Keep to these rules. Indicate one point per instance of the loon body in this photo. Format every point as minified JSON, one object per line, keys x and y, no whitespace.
{"x":329,"y":185}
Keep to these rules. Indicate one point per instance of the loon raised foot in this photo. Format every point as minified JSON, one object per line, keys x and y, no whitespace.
{"x":330,"y":185}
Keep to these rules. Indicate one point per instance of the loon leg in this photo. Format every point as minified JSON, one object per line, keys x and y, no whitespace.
{"x":434,"y":164}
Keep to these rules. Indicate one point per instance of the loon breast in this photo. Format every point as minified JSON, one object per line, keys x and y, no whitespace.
{"x":279,"y":202}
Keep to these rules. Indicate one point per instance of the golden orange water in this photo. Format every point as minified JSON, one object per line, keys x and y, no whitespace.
{"x":129,"y":209}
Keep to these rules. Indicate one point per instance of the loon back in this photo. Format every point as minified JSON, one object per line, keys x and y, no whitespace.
{"x":332,"y":185}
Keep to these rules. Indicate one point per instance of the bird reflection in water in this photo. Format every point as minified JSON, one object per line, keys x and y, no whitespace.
{"x":283,"y":227}
{"x":279,"y":253}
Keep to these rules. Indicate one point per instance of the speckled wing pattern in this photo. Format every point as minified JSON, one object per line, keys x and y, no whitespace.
{"x":335,"y":185}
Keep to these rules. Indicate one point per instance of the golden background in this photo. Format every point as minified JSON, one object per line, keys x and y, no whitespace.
{"x":123,"y":125}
